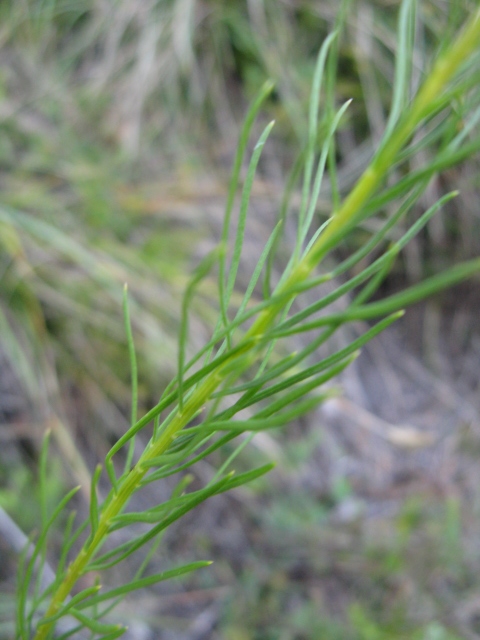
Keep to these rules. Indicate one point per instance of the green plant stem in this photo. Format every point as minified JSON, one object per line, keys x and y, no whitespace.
{"x":444,"y":69}
{"x":341,"y":220}
{"x":125,"y":491}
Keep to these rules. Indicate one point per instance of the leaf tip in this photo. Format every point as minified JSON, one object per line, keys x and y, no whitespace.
{"x":269,"y":86}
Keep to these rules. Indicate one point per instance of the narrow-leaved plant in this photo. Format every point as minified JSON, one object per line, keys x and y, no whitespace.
{"x":240,"y":367}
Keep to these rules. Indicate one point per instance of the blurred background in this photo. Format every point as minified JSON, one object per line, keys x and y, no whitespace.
{"x":118,"y":126}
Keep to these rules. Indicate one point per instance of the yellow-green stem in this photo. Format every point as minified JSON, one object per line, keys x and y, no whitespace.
{"x":125,"y":491}
{"x":442,"y":72}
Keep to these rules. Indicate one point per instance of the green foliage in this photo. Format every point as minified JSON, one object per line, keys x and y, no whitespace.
{"x":244,"y":379}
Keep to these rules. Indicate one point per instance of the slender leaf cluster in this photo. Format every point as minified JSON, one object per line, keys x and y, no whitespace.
{"x":239,"y":369}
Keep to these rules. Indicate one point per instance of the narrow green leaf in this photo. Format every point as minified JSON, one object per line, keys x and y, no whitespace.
{"x":258,"y":269}
{"x":372,"y":286}
{"x":243,"y":478}
{"x":167,"y":460}
{"x":263,"y":94}
{"x":327,"y":362}
{"x":444,"y":69}
{"x":145,"y":582}
{"x":376,"y":266}
{"x":317,"y":185}
{"x":133,"y":374}
{"x":21,"y":593}
{"x":239,"y":237}
{"x":70,"y":540}
{"x":409,"y":296}
{"x":43,"y":489}
{"x":114,"y":634}
{"x":73,"y":602}
{"x":182,"y":505}
{"x":403,"y":63}
{"x":27,"y":578}
{"x":43,"y":477}
{"x":286,"y":198}
{"x":441,"y":163}
{"x":200,"y":273}
{"x":330,"y":95}
{"x":380,"y":235}
{"x":94,"y":501}
{"x":111,"y":469}
{"x":153,"y":515}
{"x":95,"y":625}
{"x":104,"y":561}
{"x":263,"y":423}
{"x":312,"y":139}
{"x":70,"y":632}
{"x":170,"y":398}
{"x":418,"y":292}
{"x":280,"y":368}
{"x":164,"y":473}
{"x":299,"y":391}
{"x":67,"y":535}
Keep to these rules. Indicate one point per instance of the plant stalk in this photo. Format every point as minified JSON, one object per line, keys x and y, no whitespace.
{"x":442,"y":72}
